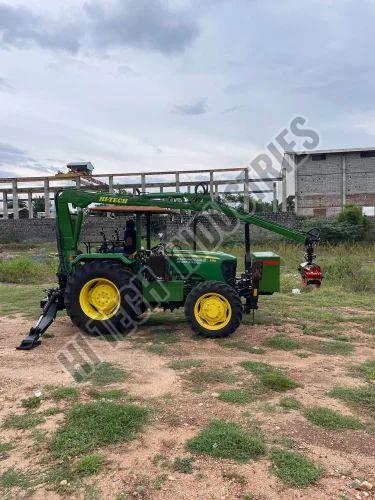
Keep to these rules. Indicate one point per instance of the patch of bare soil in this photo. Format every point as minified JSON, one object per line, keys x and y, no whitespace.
{"x":143,"y":468}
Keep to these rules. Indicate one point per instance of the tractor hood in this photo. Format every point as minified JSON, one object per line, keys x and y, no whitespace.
{"x":204,"y":265}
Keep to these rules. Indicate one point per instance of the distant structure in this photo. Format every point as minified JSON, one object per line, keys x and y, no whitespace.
{"x":326,"y":180}
{"x":83,"y":168}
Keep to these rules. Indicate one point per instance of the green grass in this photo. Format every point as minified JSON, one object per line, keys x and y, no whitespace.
{"x":5,"y":447}
{"x":26,"y":269}
{"x":185,"y":364}
{"x":256,"y":367}
{"x":21,"y":299}
{"x":282,"y":342}
{"x":159,"y":349}
{"x":108,"y":394}
{"x":322,"y":330}
{"x":269,"y":377}
{"x":236,"y":396}
{"x":227,"y":440}
{"x":99,"y":373}
{"x":211,"y":376}
{"x":26,"y":421}
{"x":31,"y":403}
{"x":242,"y":346}
{"x":88,"y":426}
{"x":61,"y":393}
{"x":290,"y":403}
{"x":294,"y":469}
{"x":13,"y":477}
{"x":183,"y":464}
{"x":330,"y":419}
{"x":366,"y":370}
{"x":53,"y":410}
{"x":89,"y":465}
{"x":360,"y":397}
{"x":329,"y":347}
{"x":277,"y":381}
{"x":160,"y":335}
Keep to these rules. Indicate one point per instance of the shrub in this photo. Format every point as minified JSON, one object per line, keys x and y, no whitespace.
{"x":25,"y":269}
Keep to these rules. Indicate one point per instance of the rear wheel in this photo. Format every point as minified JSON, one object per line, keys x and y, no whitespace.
{"x":213,"y":309}
{"x":103,"y":297}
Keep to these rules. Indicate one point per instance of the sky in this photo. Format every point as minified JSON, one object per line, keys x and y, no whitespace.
{"x":150,"y":85}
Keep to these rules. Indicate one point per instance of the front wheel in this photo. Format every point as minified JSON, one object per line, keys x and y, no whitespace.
{"x":213,"y":309}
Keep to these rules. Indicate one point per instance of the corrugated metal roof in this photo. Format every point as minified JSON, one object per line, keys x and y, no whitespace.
{"x":330,"y":151}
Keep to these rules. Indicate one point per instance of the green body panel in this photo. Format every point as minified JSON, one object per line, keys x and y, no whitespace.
{"x":108,"y":256}
{"x":270,"y":281}
{"x":200,"y":265}
{"x":163,"y":291}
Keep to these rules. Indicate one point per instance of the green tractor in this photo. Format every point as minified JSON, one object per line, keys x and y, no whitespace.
{"x":106,"y":289}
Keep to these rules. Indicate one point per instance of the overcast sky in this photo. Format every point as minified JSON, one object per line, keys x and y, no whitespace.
{"x":142,"y":85}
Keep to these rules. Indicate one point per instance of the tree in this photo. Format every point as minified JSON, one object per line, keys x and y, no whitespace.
{"x":38,"y":205}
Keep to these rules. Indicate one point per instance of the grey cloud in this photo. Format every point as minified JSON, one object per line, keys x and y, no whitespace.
{"x":120,"y":23}
{"x":20,"y":27}
{"x":142,"y":24}
{"x":232,"y":109}
{"x":198,"y":107}
{"x":12,"y":155}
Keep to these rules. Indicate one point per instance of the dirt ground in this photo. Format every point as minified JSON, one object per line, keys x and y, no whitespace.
{"x":139,"y":469}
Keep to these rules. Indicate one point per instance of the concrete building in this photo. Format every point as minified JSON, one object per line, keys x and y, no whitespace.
{"x":326,"y":180}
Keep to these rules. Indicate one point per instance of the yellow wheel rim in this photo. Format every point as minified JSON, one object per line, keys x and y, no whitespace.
{"x":100,"y":299}
{"x":212,"y":311}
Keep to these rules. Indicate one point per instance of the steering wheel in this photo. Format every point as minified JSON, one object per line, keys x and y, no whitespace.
{"x":203,"y":186}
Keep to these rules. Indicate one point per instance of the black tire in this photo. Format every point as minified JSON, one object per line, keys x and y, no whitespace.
{"x":226,"y":291}
{"x":130,"y":297}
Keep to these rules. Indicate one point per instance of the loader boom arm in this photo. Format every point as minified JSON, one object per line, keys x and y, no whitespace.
{"x":69,"y":227}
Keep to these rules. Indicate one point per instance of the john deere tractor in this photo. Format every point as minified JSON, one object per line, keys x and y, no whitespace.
{"x":105,"y":287}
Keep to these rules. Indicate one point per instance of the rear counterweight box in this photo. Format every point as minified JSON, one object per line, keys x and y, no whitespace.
{"x":270,"y":281}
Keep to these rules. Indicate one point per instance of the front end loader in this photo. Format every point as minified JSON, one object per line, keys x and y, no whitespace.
{"x":105,"y":290}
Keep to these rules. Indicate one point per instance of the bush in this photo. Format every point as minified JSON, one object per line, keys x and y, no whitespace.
{"x":25,"y":269}
{"x":349,"y":226}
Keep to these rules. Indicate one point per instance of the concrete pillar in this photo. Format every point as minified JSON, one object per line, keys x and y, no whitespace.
{"x":30,"y":204}
{"x":15,"y":200}
{"x":189,"y":189}
{"x":177,"y":182}
{"x":293,"y":163}
{"x":78,"y":183}
{"x":212,"y":187}
{"x":246,"y":189}
{"x":46,"y":199}
{"x":216,"y":189}
{"x":343,"y":187}
{"x":283,"y":189}
{"x":110,"y":184}
{"x":274,"y":201}
{"x":5,"y":205}
{"x":161,"y":189}
{"x":110,"y":190}
{"x":143,"y":182}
